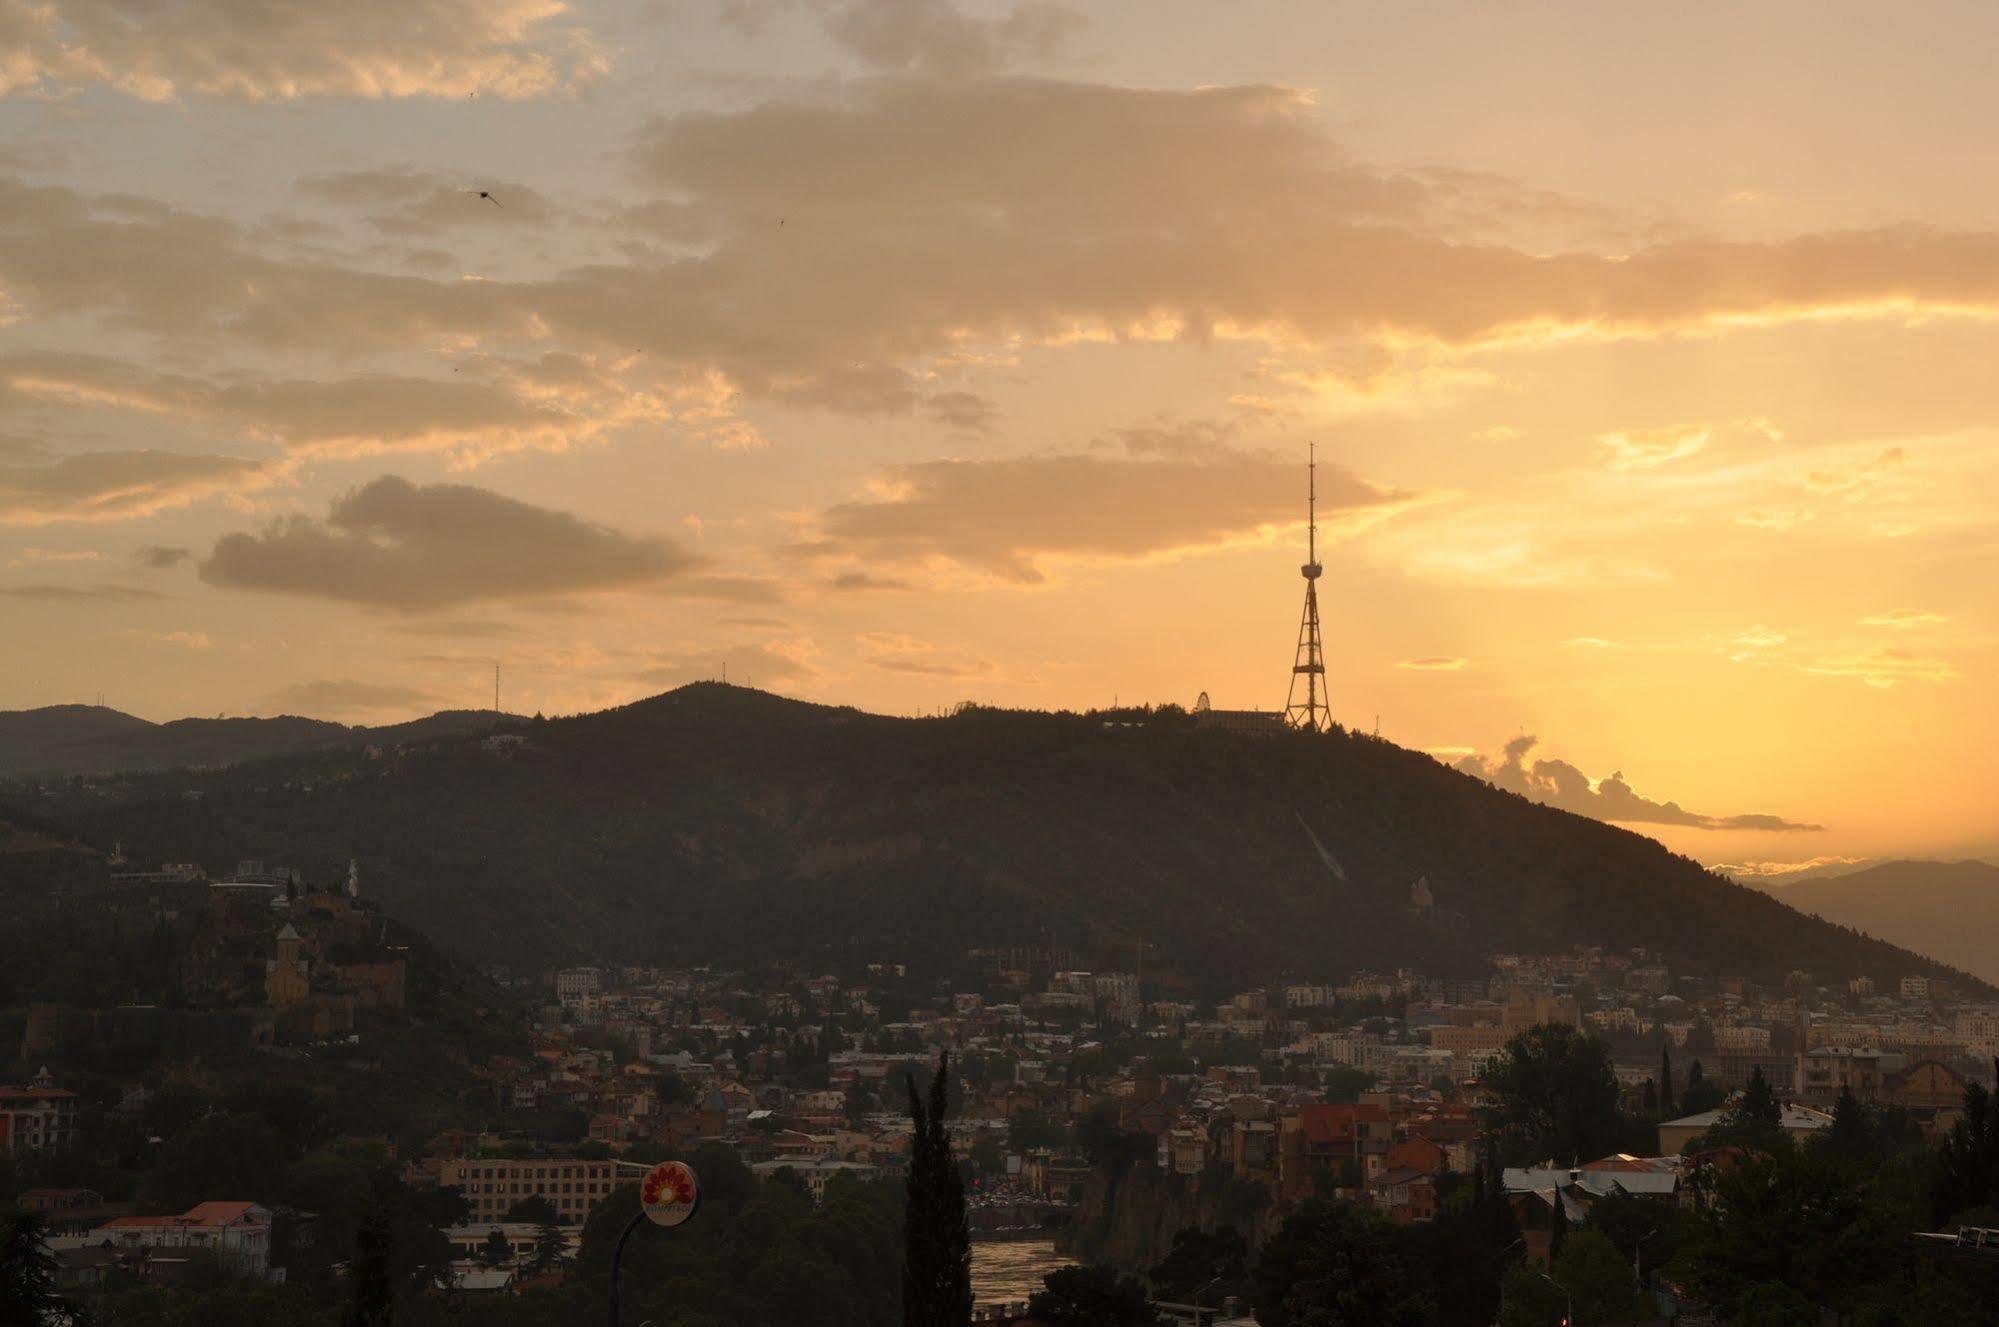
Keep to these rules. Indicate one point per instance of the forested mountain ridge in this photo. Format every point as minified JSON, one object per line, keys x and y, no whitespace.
{"x":91,"y":739}
{"x":714,"y":823}
{"x":1948,"y":909}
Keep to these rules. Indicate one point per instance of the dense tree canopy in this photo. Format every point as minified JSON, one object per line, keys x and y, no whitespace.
{"x":1554,"y":1097}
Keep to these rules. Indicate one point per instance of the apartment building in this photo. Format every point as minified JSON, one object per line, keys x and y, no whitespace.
{"x":573,"y":1186}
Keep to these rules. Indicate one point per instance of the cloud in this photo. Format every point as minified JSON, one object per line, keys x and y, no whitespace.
{"x":1006,"y":517}
{"x":1883,"y":668}
{"x":1779,"y":519}
{"x":966,"y":412}
{"x":1645,"y":449}
{"x":407,"y":202}
{"x":1855,"y":481}
{"x":1560,"y":784}
{"x":929,"y":218}
{"x":103,"y":593}
{"x":848,"y":581}
{"x":1592,"y":643}
{"x":1435,"y":664}
{"x":122,"y":485}
{"x":277,"y":52}
{"x":30,"y":557}
{"x":159,"y":557}
{"x":395,"y":544}
{"x":1761,"y":870}
{"x":1753,"y":643}
{"x":896,"y":653}
{"x":546,"y":403}
{"x":1903,"y":618}
{"x":935,"y":37}
{"x":455,"y":628}
{"x":344,"y":697}
{"x":184,"y":640}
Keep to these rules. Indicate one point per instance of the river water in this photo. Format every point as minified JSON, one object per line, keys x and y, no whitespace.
{"x":1009,"y":1270}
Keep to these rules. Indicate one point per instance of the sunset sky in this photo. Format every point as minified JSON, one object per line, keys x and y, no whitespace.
{"x":894,"y":354}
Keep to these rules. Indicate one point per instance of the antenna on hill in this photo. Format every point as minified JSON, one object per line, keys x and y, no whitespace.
{"x":496,"y":686}
{"x":1310,"y":711}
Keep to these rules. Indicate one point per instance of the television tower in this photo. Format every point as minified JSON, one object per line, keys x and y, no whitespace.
{"x":1309,"y":668}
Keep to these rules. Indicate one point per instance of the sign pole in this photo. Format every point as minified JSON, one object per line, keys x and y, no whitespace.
{"x":638,"y":1218}
{"x":668,"y":1197}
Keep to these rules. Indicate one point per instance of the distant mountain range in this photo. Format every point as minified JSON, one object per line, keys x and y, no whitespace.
{"x":716,"y":823}
{"x":1949,"y":910}
{"x":90,"y":739}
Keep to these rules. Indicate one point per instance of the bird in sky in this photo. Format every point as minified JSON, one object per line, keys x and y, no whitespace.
{"x":485,"y":194}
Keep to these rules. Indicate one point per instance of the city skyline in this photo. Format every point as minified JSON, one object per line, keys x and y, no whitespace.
{"x":899,"y":354}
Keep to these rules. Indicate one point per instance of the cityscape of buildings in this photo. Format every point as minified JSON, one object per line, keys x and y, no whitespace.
{"x":1366,"y":1089}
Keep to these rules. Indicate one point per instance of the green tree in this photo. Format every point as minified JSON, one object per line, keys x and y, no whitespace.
{"x":1786,"y":1217}
{"x":1851,"y":1137}
{"x":1666,"y":1081}
{"x":859,"y":1102}
{"x":1337,"y":1265}
{"x":1597,"y":1277}
{"x":223,"y":1155}
{"x":374,"y":1299}
{"x":534,"y":1209}
{"x":1211,"y":1265}
{"x":549,"y":1248}
{"x":1030,"y":1130}
{"x":1344,"y":1084}
{"x":1528,"y":1298}
{"x":1774,"y":1304}
{"x":1109,"y":1146}
{"x":1090,"y":1297}
{"x":937,"y":1245}
{"x":988,"y":1155}
{"x":28,"y":1291}
{"x":1702,"y":1094}
{"x":496,"y":1249}
{"x":1968,"y":1162}
{"x":1554,"y":1095}
{"x":1754,"y":1121}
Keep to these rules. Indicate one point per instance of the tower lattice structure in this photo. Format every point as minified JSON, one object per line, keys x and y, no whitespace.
{"x":1308,"y":669}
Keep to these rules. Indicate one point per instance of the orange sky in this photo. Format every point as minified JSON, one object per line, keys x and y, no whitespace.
{"x":897,"y":354}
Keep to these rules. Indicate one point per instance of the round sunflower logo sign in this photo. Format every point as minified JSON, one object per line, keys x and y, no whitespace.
{"x":669,"y":1193}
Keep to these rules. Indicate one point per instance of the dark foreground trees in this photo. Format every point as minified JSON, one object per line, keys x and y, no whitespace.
{"x":1555,"y":1096}
{"x":937,"y":1245}
{"x":1337,"y":1265}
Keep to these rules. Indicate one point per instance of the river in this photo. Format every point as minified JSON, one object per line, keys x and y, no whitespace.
{"x":1006,"y":1271}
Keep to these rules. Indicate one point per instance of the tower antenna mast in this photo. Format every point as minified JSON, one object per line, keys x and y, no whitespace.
{"x":1308,"y":667}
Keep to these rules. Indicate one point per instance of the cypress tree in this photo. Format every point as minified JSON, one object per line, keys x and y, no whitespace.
{"x":1759,"y":1104}
{"x":374,"y":1302}
{"x":1666,"y":1081}
{"x":28,"y":1291}
{"x":937,"y":1243}
{"x":1851,"y":1137}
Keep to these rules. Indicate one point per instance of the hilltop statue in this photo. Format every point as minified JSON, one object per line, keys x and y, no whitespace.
{"x":1420,"y":896}
{"x":353,"y":878}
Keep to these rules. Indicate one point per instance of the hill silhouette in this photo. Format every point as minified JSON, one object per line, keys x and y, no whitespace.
{"x":91,"y":739}
{"x":1946,"y":909}
{"x":715,"y":823}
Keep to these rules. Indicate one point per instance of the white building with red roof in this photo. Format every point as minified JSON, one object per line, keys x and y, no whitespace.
{"x":239,"y":1233}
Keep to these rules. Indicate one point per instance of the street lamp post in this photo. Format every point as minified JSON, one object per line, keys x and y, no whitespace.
{"x":1569,"y":1313}
{"x":1638,"y":1264}
{"x":668,"y":1197}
